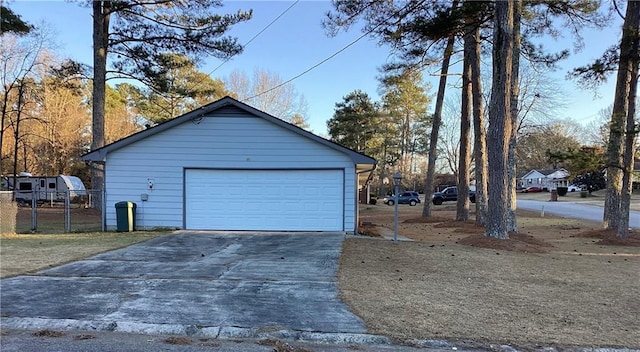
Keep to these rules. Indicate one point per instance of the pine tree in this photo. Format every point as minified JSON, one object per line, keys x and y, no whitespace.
{"x":143,"y":32}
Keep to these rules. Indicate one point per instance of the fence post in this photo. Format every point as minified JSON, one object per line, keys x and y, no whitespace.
{"x":34,"y":215}
{"x":103,"y":210}
{"x":67,"y":211}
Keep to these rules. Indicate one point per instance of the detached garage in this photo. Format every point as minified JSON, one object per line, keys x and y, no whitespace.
{"x":228,"y":166}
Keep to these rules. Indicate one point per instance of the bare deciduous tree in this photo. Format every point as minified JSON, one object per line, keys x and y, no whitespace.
{"x":20,"y":58}
{"x":266,"y":91}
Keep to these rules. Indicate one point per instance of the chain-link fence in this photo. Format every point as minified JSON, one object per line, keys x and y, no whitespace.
{"x":52,"y":212}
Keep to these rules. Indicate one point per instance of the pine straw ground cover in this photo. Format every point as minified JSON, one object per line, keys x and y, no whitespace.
{"x":556,"y":283}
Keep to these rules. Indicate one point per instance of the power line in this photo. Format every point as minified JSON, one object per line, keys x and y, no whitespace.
{"x":336,"y":53}
{"x":257,"y":34}
{"x":310,"y":68}
{"x":249,"y":41}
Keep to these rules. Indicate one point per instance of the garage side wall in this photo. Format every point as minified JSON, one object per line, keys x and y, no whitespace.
{"x":153,"y":168}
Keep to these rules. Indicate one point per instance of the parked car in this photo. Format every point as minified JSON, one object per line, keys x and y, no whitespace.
{"x":532,"y":189}
{"x":410,"y":197}
{"x":574,"y":188}
{"x":450,"y":194}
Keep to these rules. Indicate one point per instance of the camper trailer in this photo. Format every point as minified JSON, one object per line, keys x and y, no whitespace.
{"x":46,"y":188}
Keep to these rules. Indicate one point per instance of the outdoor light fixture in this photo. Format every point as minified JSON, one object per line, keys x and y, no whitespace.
{"x":397,"y":177}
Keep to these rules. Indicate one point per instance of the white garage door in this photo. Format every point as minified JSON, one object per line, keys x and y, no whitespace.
{"x":271,"y":200}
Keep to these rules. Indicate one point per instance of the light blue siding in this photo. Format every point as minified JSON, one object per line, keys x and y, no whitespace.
{"x":216,"y":142}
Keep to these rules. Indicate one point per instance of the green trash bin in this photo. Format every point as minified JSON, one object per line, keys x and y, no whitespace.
{"x":126,"y":216}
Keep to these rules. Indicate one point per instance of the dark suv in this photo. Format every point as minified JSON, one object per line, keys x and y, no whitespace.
{"x":410,"y":197}
{"x":450,"y":194}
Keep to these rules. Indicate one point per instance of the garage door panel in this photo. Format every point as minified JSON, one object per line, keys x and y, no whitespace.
{"x":276,"y":200}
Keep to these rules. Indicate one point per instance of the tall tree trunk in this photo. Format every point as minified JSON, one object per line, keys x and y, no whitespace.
{"x":16,"y":135}
{"x":382,"y":188}
{"x":480,"y":133}
{"x":5,"y":102}
{"x":630,"y":51}
{"x":100,"y":42}
{"x":628,"y":161}
{"x":464,"y":161}
{"x":611,"y":218}
{"x":512,"y":224}
{"x":404,"y":147}
{"x":435,"y":125}
{"x":500,"y":120}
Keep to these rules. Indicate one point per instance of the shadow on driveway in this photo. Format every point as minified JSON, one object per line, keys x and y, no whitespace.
{"x":191,"y":283}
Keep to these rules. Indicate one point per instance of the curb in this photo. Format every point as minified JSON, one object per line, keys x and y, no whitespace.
{"x":270,"y":332}
{"x":217,"y":332}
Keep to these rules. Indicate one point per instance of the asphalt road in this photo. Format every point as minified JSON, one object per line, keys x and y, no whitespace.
{"x":573,"y":210}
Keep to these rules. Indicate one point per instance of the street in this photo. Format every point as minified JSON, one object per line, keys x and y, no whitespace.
{"x":574,"y":210}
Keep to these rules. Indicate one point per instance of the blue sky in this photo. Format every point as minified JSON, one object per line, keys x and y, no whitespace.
{"x":297,"y":42}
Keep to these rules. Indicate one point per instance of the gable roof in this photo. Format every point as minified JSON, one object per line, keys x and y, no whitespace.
{"x":530,"y":173}
{"x":100,"y":154}
{"x":544,"y":173}
{"x":552,"y":171}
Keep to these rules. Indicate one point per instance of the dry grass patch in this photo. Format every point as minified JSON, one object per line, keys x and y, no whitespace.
{"x":177,"y":340}
{"x":280,"y":346}
{"x":548,"y":285}
{"x":21,"y":254}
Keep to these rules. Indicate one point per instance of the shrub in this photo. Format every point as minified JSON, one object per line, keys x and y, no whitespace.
{"x":584,"y":194}
{"x":562,"y":191}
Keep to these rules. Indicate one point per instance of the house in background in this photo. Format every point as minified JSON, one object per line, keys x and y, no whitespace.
{"x":546,"y":179}
{"x":229,"y":166}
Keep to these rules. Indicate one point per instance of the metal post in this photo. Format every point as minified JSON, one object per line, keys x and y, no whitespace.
{"x":397,"y":178}
{"x":34,"y":215}
{"x":395,"y":218}
{"x":67,"y":211}
{"x":103,"y":210}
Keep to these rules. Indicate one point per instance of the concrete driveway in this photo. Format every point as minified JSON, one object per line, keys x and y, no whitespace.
{"x":202,"y":284}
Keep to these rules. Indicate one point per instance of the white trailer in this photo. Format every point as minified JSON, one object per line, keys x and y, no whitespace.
{"x":46,"y":188}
